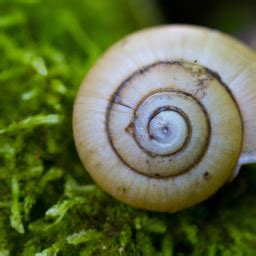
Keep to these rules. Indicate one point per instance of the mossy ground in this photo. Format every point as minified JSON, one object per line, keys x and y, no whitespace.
{"x":48,"y":204}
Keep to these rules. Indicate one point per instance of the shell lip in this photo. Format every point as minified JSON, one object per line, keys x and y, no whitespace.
{"x":247,"y":158}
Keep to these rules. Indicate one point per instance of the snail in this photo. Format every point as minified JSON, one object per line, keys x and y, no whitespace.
{"x":167,"y":116}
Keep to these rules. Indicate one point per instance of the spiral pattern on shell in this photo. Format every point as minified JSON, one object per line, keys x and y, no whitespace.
{"x":155,"y":125}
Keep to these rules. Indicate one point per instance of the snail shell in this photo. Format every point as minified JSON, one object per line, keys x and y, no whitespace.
{"x":167,"y":116}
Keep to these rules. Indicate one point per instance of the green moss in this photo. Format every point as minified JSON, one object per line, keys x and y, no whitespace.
{"x":48,"y":204}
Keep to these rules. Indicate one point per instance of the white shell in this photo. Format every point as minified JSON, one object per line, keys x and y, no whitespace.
{"x":114,"y":116}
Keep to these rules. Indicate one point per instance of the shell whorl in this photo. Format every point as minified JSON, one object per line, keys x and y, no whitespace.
{"x":155,"y":125}
{"x":161,"y":126}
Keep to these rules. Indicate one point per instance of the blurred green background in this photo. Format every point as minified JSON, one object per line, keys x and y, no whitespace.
{"x":48,"y":203}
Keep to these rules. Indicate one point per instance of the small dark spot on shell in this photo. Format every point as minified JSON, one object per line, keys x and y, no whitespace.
{"x":147,"y":161}
{"x":206,"y":175}
{"x":151,"y":137}
{"x":121,"y":190}
{"x":157,"y":175}
{"x":142,"y":71}
{"x":195,"y":61}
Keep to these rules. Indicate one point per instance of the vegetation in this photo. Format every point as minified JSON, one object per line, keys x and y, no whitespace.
{"x":48,"y":204}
